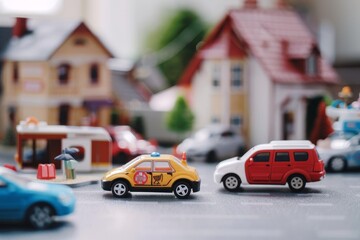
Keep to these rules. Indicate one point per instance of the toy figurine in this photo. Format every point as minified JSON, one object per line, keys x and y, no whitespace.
{"x":69,"y":161}
{"x":276,"y":163}
{"x":153,"y":173}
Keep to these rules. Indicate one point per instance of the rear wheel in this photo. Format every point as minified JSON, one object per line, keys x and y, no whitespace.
{"x":182,"y":190}
{"x":40,"y":216}
{"x":231,"y":182}
{"x":296,"y":183}
{"x":120,"y":189}
{"x":211,"y":157}
{"x":337,"y":164}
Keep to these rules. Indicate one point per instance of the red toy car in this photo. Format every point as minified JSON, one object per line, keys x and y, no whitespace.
{"x":279,"y":162}
{"x":127,"y":144}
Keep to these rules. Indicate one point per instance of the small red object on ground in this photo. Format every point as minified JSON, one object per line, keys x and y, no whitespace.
{"x":12,"y":167}
{"x":46,"y":171}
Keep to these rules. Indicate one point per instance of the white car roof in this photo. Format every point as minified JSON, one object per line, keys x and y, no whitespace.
{"x":287,"y":144}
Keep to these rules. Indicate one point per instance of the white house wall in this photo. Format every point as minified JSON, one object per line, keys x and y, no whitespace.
{"x":260,"y":103}
{"x":201,"y":93}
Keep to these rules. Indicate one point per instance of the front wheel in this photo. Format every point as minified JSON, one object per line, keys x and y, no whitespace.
{"x":231,"y":182}
{"x":296,"y":183}
{"x":40,"y":216}
{"x":120,"y":189}
{"x":182,"y":190}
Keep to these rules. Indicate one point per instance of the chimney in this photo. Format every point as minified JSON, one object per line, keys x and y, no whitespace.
{"x":20,"y":27}
{"x":281,"y":4}
{"x":250,"y":4}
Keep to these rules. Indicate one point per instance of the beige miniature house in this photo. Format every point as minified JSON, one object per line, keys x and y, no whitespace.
{"x":260,"y":70}
{"x":56,"y":72}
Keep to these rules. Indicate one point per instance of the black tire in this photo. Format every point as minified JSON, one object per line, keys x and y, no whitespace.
{"x":40,"y":216}
{"x":182,"y":189}
{"x":296,"y":183}
{"x":211,"y":157}
{"x":337,"y":164}
{"x":120,"y":189}
{"x":231,"y":182}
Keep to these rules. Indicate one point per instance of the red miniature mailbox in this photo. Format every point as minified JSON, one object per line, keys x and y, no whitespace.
{"x":46,"y":171}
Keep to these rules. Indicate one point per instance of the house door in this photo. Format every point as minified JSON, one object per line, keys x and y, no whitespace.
{"x":258,"y":168}
{"x":84,"y":157}
{"x":63,"y":117}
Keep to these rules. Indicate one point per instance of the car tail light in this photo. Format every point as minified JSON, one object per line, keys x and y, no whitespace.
{"x":319,"y":166}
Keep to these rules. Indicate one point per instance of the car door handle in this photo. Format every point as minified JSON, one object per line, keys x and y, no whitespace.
{"x":289,"y":165}
{"x":267,"y":165}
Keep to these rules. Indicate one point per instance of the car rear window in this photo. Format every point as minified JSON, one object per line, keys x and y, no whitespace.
{"x":301,"y":156}
{"x":282,"y":157}
{"x":262,"y":157}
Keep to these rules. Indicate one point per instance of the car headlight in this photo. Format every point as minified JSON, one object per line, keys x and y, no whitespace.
{"x":65,"y":199}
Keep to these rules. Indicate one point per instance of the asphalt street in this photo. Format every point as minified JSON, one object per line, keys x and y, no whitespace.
{"x":329,"y":209}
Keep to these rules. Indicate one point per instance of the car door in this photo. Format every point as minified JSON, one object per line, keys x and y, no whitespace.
{"x":162,"y":174}
{"x":141,"y":174}
{"x":281,"y":164}
{"x":10,"y":201}
{"x":258,"y":167}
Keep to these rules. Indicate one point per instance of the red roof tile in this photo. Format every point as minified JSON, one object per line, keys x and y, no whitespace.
{"x":273,"y":36}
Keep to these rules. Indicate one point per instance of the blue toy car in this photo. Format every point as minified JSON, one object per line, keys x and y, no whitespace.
{"x":22,"y":200}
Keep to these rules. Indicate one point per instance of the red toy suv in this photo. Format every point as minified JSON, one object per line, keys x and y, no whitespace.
{"x":279,"y":162}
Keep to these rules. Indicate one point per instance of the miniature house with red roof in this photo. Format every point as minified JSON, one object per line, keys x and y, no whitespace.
{"x":259,"y":69}
{"x":57,"y":72}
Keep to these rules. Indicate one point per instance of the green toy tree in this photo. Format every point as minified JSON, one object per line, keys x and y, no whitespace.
{"x":180,"y":119}
{"x":175,"y":42}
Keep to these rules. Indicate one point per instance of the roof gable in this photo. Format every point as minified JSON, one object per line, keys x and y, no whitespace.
{"x":274,"y":37}
{"x":43,"y":41}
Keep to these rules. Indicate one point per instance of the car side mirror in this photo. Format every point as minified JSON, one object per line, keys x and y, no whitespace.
{"x":251,"y":161}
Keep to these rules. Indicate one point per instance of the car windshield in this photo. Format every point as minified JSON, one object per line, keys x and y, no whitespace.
{"x":18,"y":180}
{"x":130,"y":163}
{"x":248,"y":153}
{"x":202,"y":135}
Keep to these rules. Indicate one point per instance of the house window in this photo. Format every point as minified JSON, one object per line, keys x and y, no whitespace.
{"x":215,"y":120}
{"x":15,"y":72}
{"x":63,"y":73}
{"x":63,"y":117}
{"x":236,"y":80}
{"x":311,"y":65}
{"x":236,"y":120}
{"x":216,"y":76}
{"x":80,"y":41}
{"x":94,"y":73}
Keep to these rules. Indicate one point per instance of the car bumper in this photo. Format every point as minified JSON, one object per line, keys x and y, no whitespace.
{"x":65,"y":209}
{"x":317,"y":176}
{"x":196,"y":186}
{"x":217,"y":177}
{"x":106,"y":185}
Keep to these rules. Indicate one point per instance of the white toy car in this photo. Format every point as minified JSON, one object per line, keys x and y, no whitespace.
{"x":340,"y":151}
{"x":213,"y":143}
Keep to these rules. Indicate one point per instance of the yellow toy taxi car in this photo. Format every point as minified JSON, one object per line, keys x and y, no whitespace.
{"x":153,"y":173}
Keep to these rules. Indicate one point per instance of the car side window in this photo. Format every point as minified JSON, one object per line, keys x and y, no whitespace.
{"x":227,"y":134}
{"x":262,"y":157}
{"x":162,"y":166}
{"x":301,"y":156}
{"x":282,"y":157}
{"x":144,"y":166}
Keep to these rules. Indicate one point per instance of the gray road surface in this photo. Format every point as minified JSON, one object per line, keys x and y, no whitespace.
{"x":326,"y":210}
